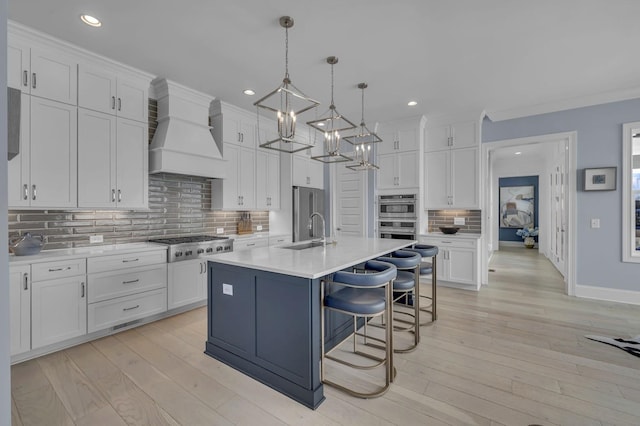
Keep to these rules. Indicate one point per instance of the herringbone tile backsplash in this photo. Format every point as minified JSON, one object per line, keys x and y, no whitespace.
{"x":178,"y":205}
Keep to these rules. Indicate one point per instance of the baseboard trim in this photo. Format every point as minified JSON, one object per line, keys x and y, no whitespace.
{"x":608,"y":294}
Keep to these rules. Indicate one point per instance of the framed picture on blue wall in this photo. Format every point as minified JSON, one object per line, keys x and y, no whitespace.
{"x":600,"y":179}
{"x":517,"y":206}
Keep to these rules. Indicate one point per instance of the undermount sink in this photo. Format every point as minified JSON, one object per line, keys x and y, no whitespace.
{"x":303,"y":246}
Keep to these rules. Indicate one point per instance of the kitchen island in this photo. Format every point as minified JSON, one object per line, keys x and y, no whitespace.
{"x":264,"y":310}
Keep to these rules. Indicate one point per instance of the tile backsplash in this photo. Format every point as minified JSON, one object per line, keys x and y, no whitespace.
{"x":178,"y":205}
{"x":472,"y":218}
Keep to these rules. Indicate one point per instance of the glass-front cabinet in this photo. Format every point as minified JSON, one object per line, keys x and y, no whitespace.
{"x":631,"y":192}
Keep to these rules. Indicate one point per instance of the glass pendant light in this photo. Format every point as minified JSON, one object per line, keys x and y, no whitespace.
{"x":287,"y":102}
{"x":331,"y":125}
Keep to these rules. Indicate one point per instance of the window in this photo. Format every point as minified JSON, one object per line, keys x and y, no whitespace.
{"x":631,"y":192}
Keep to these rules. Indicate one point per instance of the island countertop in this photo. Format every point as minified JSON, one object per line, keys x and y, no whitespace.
{"x":314,"y":262}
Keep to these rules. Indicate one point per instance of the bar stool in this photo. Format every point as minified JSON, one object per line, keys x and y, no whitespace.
{"x":406,"y":286}
{"x":428,"y":268}
{"x":365,"y":295}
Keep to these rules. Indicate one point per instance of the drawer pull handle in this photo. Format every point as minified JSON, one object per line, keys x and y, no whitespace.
{"x":59,"y":269}
{"x":82,"y":290}
{"x":25,"y":78}
{"x":131,"y":282}
{"x":26,"y":281}
{"x":130,"y":260}
{"x":131,"y":308}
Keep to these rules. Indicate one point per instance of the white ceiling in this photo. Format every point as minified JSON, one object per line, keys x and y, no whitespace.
{"x":450,"y":56}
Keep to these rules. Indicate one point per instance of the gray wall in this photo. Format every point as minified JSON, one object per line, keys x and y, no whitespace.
{"x":5,"y":385}
{"x":599,"y":144}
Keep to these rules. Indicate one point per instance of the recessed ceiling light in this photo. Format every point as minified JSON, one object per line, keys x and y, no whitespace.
{"x":90,"y":20}
{"x":321,"y":124}
{"x":249,"y":92}
{"x":412,"y":103}
{"x":518,"y":153}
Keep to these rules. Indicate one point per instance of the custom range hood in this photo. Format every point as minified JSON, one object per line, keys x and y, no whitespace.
{"x":183,"y":142}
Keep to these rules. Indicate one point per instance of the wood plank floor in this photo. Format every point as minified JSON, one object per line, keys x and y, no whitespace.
{"x":512,"y":354}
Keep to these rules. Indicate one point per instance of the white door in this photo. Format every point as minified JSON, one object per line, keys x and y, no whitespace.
{"x":132,"y":170}
{"x":96,"y":159}
{"x":558,"y":234}
{"x":351,"y":214}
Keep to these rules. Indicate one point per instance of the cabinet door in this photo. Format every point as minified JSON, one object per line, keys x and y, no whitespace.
{"x":132,"y":99}
{"x":53,"y":155}
{"x":408,"y":140}
{"x":262,"y":179}
{"x":408,"y":173}
{"x":20,"y":308}
{"x":231,"y":185}
{"x":96,"y":159}
{"x":18,"y":167}
{"x":18,"y":66}
{"x":389,"y":139}
{"x":54,"y":76}
{"x":436,"y":187}
{"x":186,"y":282}
{"x":96,"y":89}
{"x":58,"y":310}
{"x":437,"y":138}
{"x":462,"y":265}
{"x":247,"y":178}
{"x":387,"y":173}
{"x":248,"y":133}
{"x":132,"y":169}
{"x":316,"y":174}
{"x":464,"y":134}
{"x":300,"y":171}
{"x":465,"y":178}
{"x":273,"y":181}
{"x":231,"y":132}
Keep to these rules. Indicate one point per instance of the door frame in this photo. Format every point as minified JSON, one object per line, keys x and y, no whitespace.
{"x":571,"y":139}
{"x":334,"y":188}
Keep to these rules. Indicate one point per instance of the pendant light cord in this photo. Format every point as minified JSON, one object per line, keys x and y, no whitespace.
{"x":286,"y":53}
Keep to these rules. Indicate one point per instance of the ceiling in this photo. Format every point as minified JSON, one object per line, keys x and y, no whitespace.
{"x":449,"y":56}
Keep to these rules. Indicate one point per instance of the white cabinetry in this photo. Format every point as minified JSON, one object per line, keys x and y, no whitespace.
{"x":398,"y":138}
{"x":399,"y":155}
{"x":44,"y":174}
{"x":103,"y":90}
{"x":240,"y":244}
{"x":307,"y":172}
{"x":452,"y":179}
{"x":41,"y":71}
{"x":458,"y":260}
{"x":20,"y":308}
{"x":267,"y":180}
{"x":112,"y":161}
{"x":399,"y":170}
{"x":275,"y":240}
{"x":126,"y":287}
{"x":451,"y":136}
{"x":58,"y":301}
{"x":234,"y":125}
{"x":187,"y":282}
{"x":238,"y":190}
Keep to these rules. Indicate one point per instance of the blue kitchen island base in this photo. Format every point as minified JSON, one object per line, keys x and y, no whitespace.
{"x":267,"y":325}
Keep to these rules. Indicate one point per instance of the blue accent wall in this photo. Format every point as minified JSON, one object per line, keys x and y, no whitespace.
{"x":509,"y":234}
{"x":599,"y":144}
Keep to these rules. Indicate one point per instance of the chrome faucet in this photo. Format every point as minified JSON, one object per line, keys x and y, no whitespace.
{"x":324,"y":226}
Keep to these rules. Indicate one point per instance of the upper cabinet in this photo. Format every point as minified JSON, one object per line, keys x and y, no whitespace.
{"x":399,"y":155}
{"x":452,"y":136}
{"x":267,"y":180}
{"x":103,"y":90}
{"x":41,"y":71}
{"x":233,"y":125}
{"x":399,"y":138}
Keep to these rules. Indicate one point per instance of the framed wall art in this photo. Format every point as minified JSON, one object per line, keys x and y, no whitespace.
{"x":516,"y":206}
{"x":600,"y":179}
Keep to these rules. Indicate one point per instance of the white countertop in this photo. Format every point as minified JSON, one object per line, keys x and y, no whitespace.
{"x":102,"y":250}
{"x":313,"y":262}
{"x":457,"y":235}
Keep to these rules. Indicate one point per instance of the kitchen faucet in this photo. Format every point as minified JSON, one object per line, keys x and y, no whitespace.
{"x":324,"y":226}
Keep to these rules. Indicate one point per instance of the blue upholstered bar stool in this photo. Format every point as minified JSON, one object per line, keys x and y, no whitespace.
{"x":406,"y":287}
{"x":365,"y":295}
{"x":428,"y":267}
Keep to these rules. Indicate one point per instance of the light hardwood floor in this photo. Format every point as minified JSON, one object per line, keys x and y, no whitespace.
{"x":512,"y":354}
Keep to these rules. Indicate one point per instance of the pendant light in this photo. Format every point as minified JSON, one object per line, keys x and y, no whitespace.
{"x":331,"y":125}
{"x":362,"y":142}
{"x":286,"y":102}
{"x":363,"y":157}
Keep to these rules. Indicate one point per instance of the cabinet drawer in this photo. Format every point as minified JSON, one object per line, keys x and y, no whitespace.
{"x":250,"y":244}
{"x":130,"y":260}
{"x":123,"y":309}
{"x":107,"y":285}
{"x":58,"y":269}
{"x":449,"y":242}
{"x":281,"y":239}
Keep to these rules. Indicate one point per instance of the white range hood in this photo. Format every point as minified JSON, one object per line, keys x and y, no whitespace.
{"x":183,"y":142}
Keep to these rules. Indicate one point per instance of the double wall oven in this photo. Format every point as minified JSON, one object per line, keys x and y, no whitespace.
{"x":397,"y":216}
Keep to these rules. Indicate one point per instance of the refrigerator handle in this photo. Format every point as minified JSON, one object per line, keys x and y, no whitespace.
{"x":296,"y":214}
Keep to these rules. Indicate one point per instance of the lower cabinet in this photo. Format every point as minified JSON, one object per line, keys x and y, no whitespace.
{"x":20,"y":306}
{"x":458,"y":260}
{"x":121,"y":310}
{"x":58,"y":310}
{"x":250,"y":243}
{"x":187,"y":282}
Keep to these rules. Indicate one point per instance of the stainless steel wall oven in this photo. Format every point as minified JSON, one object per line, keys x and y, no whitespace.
{"x":397,"y":216}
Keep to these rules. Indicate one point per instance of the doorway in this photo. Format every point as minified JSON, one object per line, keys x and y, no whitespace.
{"x":553,"y":159}
{"x":349,"y":201}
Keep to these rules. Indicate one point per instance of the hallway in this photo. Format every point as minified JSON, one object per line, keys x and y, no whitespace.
{"x":512,"y":354}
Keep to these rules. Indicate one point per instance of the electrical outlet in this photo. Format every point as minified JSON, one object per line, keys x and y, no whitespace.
{"x":458,"y":220}
{"x":595,"y":223}
{"x":227,"y":289}
{"x":95,"y":239}
{"x":259,"y":227}
{"x":219,"y":230}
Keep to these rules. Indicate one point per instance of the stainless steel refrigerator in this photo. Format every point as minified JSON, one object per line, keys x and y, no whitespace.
{"x":305,"y":202}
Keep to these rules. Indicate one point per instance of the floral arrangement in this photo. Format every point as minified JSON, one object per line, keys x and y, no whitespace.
{"x":527,"y":232}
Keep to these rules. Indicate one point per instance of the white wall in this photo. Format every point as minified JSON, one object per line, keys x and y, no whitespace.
{"x":5,"y":376}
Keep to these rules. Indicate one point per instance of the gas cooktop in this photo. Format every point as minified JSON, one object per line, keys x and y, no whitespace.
{"x":194,"y":246}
